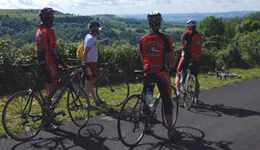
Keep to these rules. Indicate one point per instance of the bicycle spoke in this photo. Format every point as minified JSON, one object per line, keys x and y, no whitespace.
{"x":175,"y":110}
{"x":77,"y":109}
{"x":113,"y":91}
{"x":18,"y":116}
{"x":130,"y":124}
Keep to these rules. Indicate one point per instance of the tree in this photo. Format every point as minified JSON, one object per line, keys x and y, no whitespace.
{"x":212,"y":30}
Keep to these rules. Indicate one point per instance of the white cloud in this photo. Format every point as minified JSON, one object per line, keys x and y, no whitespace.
{"x":134,"y":6}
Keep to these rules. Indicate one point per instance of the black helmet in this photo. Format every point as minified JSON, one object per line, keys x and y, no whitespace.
{"x":46,"y":15}
{"x":154,"y":19}
{"x":94,"y":25}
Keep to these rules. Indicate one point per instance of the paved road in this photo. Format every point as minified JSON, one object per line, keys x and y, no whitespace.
{"x":230,"y":119}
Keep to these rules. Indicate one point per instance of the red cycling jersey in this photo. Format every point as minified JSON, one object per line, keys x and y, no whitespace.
{"x":46,"y":52}
{"x":46,"y":45}
{"x":194,"y":43}
{"x":153,"y":49}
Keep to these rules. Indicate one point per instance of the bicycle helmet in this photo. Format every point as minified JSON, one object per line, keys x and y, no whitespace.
{"x":191,"y":23}
{"x":154,"y":19}
{"x":95,"y":26}
{"x":46,"y":15}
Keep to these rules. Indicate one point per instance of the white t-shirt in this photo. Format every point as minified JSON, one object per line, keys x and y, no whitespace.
{"x":91,"y":42}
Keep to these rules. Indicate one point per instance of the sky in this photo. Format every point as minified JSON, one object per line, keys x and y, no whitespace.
{"x":117,"y":7}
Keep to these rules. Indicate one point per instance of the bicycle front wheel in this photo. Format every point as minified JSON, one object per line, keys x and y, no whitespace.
{"x":113,"y":90}
{"x":77,"y":108}
{"x":131,"y":123}
{"x":190,"y":93}
{"x":22,"y":116}
{"x":175,"y":110}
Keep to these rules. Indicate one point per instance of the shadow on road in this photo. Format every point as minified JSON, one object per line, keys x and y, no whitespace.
{"x":188,"y":138}
{"x":222,"y":109}
{"x":85,"y":138}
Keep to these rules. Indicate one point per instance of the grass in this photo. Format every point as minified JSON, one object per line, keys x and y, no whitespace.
{"x":206,"y":82}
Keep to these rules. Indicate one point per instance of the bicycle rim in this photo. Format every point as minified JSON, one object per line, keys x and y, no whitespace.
{"x":188,"y":99}
{"x":130,"y":123}
{"x":22,"y":123}
{"x":113,"y":92}
{"x":77,"y":108}
{"x":175,"y":110}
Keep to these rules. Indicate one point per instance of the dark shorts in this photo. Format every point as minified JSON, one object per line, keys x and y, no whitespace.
{"x":163,"y":82}
{"x":184,"y":64}
{"x":50,"y":73}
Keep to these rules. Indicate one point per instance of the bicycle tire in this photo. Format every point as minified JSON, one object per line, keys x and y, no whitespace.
{"x":77,"y":108}
{"x":133,"y":120}
{"x":189,"y":93}
{"x":113,"y":92}
{"x":14,"y":133}
{"x":175,"y":109}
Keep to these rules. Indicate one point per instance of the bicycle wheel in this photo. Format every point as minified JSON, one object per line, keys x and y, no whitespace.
{"x":175,"y":110}
{"x":189,"y":95}
{"x":114,"y":90}
{"x":22,"y":116}
{"x":77,"y":108}
{"x":130,"y":123}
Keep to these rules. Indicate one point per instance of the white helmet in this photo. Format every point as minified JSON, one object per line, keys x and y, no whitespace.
{"x":191,"y":23}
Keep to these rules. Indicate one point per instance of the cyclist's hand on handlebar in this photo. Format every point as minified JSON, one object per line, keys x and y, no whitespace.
{"x":64,"y":67}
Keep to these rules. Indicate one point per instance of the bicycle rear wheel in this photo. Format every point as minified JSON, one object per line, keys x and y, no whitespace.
{"x":22,"y":116}
{"x":188,"y":98}
{"x":131,"y":123}
{"x":77,"y":108}
{"x":114,"y":90}
{"x":175,"y":110}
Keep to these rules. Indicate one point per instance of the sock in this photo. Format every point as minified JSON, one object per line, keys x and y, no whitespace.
{"x":178,"y":92}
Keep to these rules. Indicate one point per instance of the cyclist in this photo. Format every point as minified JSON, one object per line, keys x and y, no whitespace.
{"x":47,"y":54}
{"x":154,"y":48}
{"x":89,"y":59}
{"x":191,"y":51}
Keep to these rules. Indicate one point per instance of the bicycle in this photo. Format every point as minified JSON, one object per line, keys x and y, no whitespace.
{"x":132,"y":112}
{"x":25,"y":113}
{"x":224,"y":73}
{"x":109,"y":84}
{"x":187,"y":87}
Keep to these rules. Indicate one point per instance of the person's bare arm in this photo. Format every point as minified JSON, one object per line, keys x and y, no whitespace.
{"x":85,"y":54}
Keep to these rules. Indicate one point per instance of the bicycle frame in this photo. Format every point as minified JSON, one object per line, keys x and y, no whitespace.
{"x":104,"y":74}
{"x":185,"y":75}
{"x":31,"y":92}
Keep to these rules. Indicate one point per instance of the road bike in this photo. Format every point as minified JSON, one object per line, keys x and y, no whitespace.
{"x":133,"y":118}
{"x":25,"y":113}
{"x":188,"y":86}
{"x":110,"y":85}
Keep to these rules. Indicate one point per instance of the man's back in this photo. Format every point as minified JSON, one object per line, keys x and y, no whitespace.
{"x":45,"y":43}
{"x":153,"y":49}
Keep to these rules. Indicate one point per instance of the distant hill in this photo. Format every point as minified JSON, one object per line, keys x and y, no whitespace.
{"x":30,"y":14}
{"x":197,"y":16}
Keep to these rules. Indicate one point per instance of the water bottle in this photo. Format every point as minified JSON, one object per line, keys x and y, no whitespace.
{"x":56,"y":95}
{"x":149,"y":98}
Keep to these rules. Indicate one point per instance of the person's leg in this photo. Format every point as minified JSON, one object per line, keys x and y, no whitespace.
{"x":164,"y":86}
{"x":197,"y":87}
{"x":177,"y":83}
{"x":86,"y":91}
{"x":178,"y":75}
{"x":89,"y":86}
{"x":195,"y":71}
{"x":51,"y":82}
{"x":51,"y":87}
